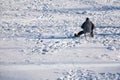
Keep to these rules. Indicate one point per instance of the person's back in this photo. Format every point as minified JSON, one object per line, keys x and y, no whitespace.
{"x":87,"y":26}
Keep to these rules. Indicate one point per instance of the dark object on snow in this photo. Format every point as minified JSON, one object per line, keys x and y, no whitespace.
{"x":87,"y":27}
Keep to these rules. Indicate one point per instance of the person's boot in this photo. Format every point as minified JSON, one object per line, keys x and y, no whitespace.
{"x":76,"y":35}
{"x":91,"y":34}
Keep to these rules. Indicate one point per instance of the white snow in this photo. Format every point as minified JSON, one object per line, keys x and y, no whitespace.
{"x":36,"y":40}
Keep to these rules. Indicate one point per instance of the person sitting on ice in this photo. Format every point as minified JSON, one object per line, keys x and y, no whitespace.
{"x":87,"y":27}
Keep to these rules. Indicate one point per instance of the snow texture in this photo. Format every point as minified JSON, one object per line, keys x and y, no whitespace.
{"x":41,"y":32}
{"x":82,"y":74}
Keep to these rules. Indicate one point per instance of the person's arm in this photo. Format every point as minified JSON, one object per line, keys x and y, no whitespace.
{"x":83,"y":25}
{"x":93,"y":26}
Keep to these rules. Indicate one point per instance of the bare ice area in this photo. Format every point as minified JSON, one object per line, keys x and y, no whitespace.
{"x":70,"y":71}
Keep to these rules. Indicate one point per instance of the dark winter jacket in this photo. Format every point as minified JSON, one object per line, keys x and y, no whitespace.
{"x":87,"y":26}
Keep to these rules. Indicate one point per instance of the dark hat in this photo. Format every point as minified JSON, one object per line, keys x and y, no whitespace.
{"x":87,"y":18}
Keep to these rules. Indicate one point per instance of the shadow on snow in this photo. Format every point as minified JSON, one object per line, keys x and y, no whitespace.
{"x":55,"y":37}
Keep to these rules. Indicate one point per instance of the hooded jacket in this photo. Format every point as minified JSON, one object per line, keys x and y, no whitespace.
{"x":87,"y":26}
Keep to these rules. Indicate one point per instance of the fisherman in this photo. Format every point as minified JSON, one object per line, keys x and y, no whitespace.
{"x":87,"y":27}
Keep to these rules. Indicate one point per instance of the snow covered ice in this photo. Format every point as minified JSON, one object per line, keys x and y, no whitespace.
{"x":37,"y":43}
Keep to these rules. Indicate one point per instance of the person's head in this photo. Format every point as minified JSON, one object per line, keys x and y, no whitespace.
{"x":87,"y":18}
